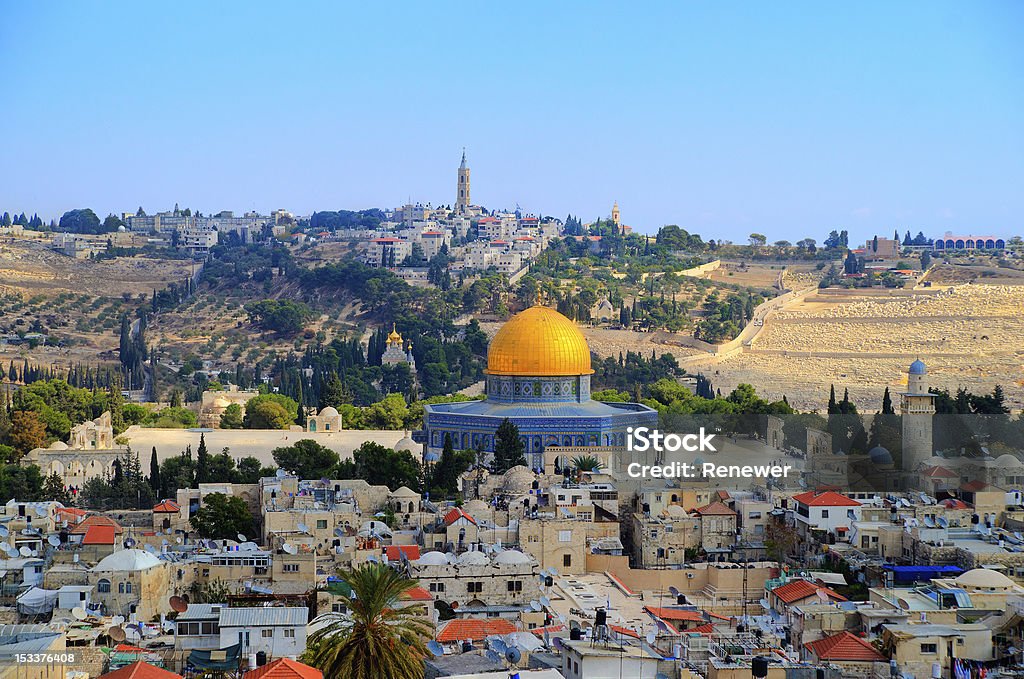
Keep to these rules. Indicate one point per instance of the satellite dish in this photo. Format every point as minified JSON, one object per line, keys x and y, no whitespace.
{"x":513,"y":655}
{"x":650,"y":637}
{"x":78,"y":613}
{"x":371,"y":559}
{"x":41,"y":512}
{"x":11,"y":550}
{"x":289,"y":548}
{"x":497,"y":644}
{"x":436,"y":649}
{"x":116,"y":633}
{"x":212,"y":544}
{"x":178,"y":604}
{"x":557,"y":643}
{"x":242,"y":538}
{"x":35,"y":552}
{"x":535,"y":605}
{"x":25,"y":551}
{"x":178,"y":540}
{"x":117,"y":620}
{"x":280,"y":473}
{"x":822,"y":595}
{"x":673,"y":591}
{"x":164,"y":542}
{"x":339,"y":532}
{"x":493,"y":657}
{"x":4,"y":532}
{"x":150,"y":548}
{"x":303,"y":528}
{"x":545,"y":602}
{"x":53,"y":541}
{"x":129,"y":543}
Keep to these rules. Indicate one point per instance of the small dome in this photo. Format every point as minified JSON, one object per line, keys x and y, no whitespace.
{"x":475,"y":507}
{"x":511,"y":557}
{"x":918,"y":368}
{"x":1007,"y":460}
{"x":984,"y":578}
{"x":473,"y":559}
{"x":880,"y":455}
{"x":675,"y":511}
{"x":432,"y":559}
{"x":127,"y":560}
{"x":431,"y":457}
{"x":58,"y":445}
{"x":518,"y":480}
{"x":328,"y":412}
{"x":404,"y":491}
{"x":408,"y":445}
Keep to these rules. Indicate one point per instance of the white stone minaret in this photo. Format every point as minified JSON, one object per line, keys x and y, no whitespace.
{"x":917,"y":406}
{"x":462,"y":202}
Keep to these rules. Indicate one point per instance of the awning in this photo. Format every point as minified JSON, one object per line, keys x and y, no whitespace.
{"x":222,"y":659}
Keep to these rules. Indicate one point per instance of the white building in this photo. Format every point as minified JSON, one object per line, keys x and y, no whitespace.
{"x":277,"y":631}
{"x":829,"y":511}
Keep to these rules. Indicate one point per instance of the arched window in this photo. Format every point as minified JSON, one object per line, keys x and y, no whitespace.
{"x":103,"y":586}
{"x":120,"y":588}
{"x":127,"y":588}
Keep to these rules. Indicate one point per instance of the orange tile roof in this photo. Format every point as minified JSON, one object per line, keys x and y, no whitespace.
{"x":704,"y":629}
{"x":394,"y":552}
{"x":954,"y":503}
{"x":455,"y":514}
{"x":550,"y":629}
{"x":844,"y":646}
{"x":474,"y":629}
{"x":974,"y":486}
{"x":829,"y":498}
{"x":99,"y":535}
{"x":715,"y":509}
{"x":140,"y":670}
{"x":284,"y":668}
{"x":798,"y":590}
{"x":168,"y":507}
{"x":96,"y":520}
{"x":625,"y":631}
{"x":72,"y":511}
{"x":416,"y":594}
{"x":675,"y":614}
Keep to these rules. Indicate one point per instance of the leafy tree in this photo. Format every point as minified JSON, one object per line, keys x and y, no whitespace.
{"x":509,"y":449}
{"x":17,"y":481}
{"x":212,"y":592}
{"x":379,"y":638}
{"x":177,"y":472}
{"x":250,"y":470}
{"x":222,"y":517}
{"x":270,"y":411}
{"x":380,"y":466}
{"x":333,"y":393}
{"x":27,"y":431}
{"x":232,"y":417}
{"x":283,"y":316}
{"x":307,"y":459}
{"x":54,"y":489}
{"x":81,"y":221}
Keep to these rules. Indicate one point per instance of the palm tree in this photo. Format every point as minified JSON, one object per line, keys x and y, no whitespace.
{"x":377,"y":638}
{"x":586,"y":464}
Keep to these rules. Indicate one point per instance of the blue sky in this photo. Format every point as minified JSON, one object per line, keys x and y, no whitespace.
{"x":788,"y":119}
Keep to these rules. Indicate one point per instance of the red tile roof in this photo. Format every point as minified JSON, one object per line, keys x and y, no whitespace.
{"x":95,"y":520}
{"x":939,"y":472}
{"x":99,"y":535}
{"x":798,"y":590}
{"x":284,"y":668}
{"x":974,"y":486}
{"x":954,"y":503}
{"x":677,"y":614}
{"x":625,"y":631}
{"x":416,"y":594}
{"x":167,"y":506}
{"x":474,"y":629}
{"x":715,"y":509}
{"x":140,"y":670}
{"x":394,"y":552}
{"x":844,"y":646}
{"x":455,"y":514}
{"x":550,"y":629}
{"x":829,"y":498}
{"x":704,"y":629}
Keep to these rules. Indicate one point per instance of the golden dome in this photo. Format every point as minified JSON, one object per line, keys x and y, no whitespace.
{"x":539,"y":342}
{"x":394,"y":337}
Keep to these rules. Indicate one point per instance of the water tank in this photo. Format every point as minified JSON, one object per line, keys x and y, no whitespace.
{"x":261,"y":658}
{"x":759,"y":667}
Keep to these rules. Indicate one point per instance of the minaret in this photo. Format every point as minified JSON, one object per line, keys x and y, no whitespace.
{"x":462,"y":202}
{"x":615,"y":214}
{"x":917,"y":406}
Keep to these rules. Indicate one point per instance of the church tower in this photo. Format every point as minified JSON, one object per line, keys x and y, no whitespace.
{"x":462,"y":202}
{"x":917,"y":406}
{"x":615,"y":214}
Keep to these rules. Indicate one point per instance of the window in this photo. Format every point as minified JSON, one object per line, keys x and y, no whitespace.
{"x":103,"y":586}
{"x":128,"y":588}
{"x":929,"y":648}
{"x":120,"y":588}
{"x":289,"y":634}
{"x":566,"y":560}
{"x":339,"y":608}
{"x":321,"y":524}
{"x":206,"y":572}
{"x":291,"y":568}
{"x":210,"y":628}
{"x":437,"y":587}
{"x":267,"y":633}
{"x":565,"y":536}
{"x":824,"y":513}
{"x":188,"y":629}
{"x":475,"y":587}
{"x":515,"y":585}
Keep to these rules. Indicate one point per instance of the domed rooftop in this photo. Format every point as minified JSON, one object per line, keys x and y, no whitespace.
{"x":476,"y":506}
{"x":1007,"y":460}
{"x":58,"y":445}
{"x":539,"y":342}
{"x":433,"y":559}
{"x":473,"y":559}
{"x":517,"y":480}
{"x":984,"y":578}
{"x":328,"y":412}
{"x":511,"y":557}
{"x":127,"y":560}
{"x":880,"y":455}
{"x":408,"y":445}
{"x":918,"y":368}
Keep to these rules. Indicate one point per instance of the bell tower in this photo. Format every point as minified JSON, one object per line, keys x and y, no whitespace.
{"x":917,"y":407}
{"x":615,"y":214}
{"x":462,"y":200}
